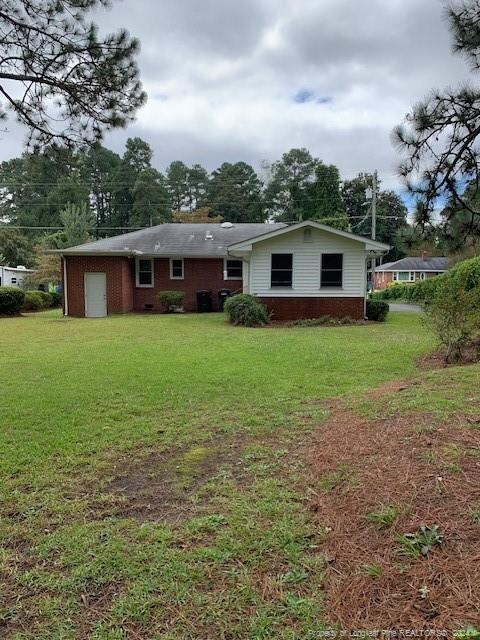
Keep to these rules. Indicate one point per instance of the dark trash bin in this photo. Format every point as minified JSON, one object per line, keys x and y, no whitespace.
{"x":223,"y":294}
{"x":204,"y":301}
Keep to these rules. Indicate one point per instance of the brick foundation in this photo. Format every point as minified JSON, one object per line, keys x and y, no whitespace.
{"x":301,"y":308}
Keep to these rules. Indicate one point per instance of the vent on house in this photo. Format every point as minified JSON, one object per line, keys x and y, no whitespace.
{"x":226,"y":225}
{"x":307,"y":235}
{"x":208,"y":235}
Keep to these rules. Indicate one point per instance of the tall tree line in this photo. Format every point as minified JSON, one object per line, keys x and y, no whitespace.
{"x":46,"y":193}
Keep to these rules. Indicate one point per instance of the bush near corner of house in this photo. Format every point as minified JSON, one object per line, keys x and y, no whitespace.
{"x":243,"y":309}
{"x":11,"y":301}
{"x":56,"y":298}
{"x":171,"y":299}
{"x":33,"y":301}
{"x":377,"y":310}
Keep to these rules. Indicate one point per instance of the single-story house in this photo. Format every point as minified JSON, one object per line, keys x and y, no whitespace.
{"x":409,"y":270}
{"x":299,"y":271}
{"x":13,"y":276}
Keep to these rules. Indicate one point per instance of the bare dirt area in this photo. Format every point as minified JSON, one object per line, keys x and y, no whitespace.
{"x":374,"y":482}
{"x":168,"y":486}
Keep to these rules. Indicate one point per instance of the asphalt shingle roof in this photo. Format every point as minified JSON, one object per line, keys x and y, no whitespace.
{"x":177,"y":239}
{"x":415,"y":264}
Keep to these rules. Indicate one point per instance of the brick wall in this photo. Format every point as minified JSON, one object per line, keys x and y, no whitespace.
{"x":119,"y":273}
{"x":199,"y":273}
{"x":298,"y":308}
{"x":122,"y":294}
{"x":382,"y":279}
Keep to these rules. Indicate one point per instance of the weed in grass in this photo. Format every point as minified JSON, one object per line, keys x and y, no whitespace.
{"x":371,"y":570}
{"x":468,"y":633}
{"x":423,"y":429}
{"x":383,"y":516}
{"x":421,"y":542}
{"x":476,"y":516}
{"x":295,"y":576}
{"x":332,"y":480}
{"x":192,"y":463}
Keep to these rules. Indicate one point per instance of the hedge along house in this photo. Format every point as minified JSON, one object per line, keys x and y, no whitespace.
{"x":299,"y":271}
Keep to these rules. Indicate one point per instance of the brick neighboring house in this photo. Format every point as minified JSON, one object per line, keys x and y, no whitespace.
{"x":299,"y":271}
{"x":409,"y":270}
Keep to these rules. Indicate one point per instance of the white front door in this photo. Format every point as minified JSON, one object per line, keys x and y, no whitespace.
{"x":95,"y":295}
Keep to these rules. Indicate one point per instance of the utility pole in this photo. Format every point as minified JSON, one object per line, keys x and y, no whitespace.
{"x":374,"y":221}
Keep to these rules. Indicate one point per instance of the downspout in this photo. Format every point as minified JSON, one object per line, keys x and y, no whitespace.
{"x":65,"y":287}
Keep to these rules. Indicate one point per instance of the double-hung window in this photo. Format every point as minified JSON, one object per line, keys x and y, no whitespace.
{"x":144,"y":272}
{"x":233,"y":269}
{"x":331,"y":274}
{"x":404,"y":276}
{"x":176,"y":268}
{"x":282,"y":270}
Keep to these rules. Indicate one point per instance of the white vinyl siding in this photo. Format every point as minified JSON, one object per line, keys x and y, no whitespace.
{"x":307,"y":265}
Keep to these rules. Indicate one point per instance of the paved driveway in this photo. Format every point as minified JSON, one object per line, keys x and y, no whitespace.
{"x":402,"y":306}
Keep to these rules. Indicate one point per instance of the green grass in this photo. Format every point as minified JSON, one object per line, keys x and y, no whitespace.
{"x":210,"y":419}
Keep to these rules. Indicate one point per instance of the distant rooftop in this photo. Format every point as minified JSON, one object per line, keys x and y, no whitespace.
{"x":415,"y":264}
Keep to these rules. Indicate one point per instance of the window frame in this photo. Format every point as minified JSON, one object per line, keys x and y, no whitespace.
{"x":281,"y":286}
{"x":137,"y":273}
{"x":411,"y":276}
{"x":172,"y":277}
{"x":225,"y":268}
{"x":322,"y":269}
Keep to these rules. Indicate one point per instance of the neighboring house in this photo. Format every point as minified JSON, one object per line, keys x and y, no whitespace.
{"x":409,"y":270}
{"x":13,"y":276}
{"x":299,"y":271}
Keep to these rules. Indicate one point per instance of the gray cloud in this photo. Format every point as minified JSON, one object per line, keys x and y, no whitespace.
{"x":249,"y":80}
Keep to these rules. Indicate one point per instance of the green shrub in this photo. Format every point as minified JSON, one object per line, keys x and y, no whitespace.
{"x":56,"y":298}
{"x":47,"y":298}
{"x":11,"y":301}
{"x":35,"y":301}
{"x":243,"y":309}
{"x":171,"y":299}
{"x":466,"y":274}
{"x":453,"y":315}
{"x":377,"y":310}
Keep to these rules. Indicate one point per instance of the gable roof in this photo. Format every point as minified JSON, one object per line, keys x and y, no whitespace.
{"x":415,"y":264}
{"x":371,"y":245}
{"x":201,"y":240}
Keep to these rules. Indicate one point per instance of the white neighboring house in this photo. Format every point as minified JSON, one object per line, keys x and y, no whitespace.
{"x":13,"y":276}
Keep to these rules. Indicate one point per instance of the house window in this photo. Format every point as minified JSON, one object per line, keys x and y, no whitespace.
{"x":403,"y":276}
{"x":282,"y":270}
{"x":332,"y":270}
{"x":233,"y":269}
{"x":144,"y":272}
{"x":176,"y":268}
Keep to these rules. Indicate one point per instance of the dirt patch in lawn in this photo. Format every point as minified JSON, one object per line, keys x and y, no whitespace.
{"x":375,"y":481}
{"x":170,"y":486}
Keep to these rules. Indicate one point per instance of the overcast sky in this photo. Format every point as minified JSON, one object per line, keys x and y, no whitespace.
{"x":232,"y":80}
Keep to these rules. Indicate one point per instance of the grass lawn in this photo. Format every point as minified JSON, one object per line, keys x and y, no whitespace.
{"x":152,"y":474}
